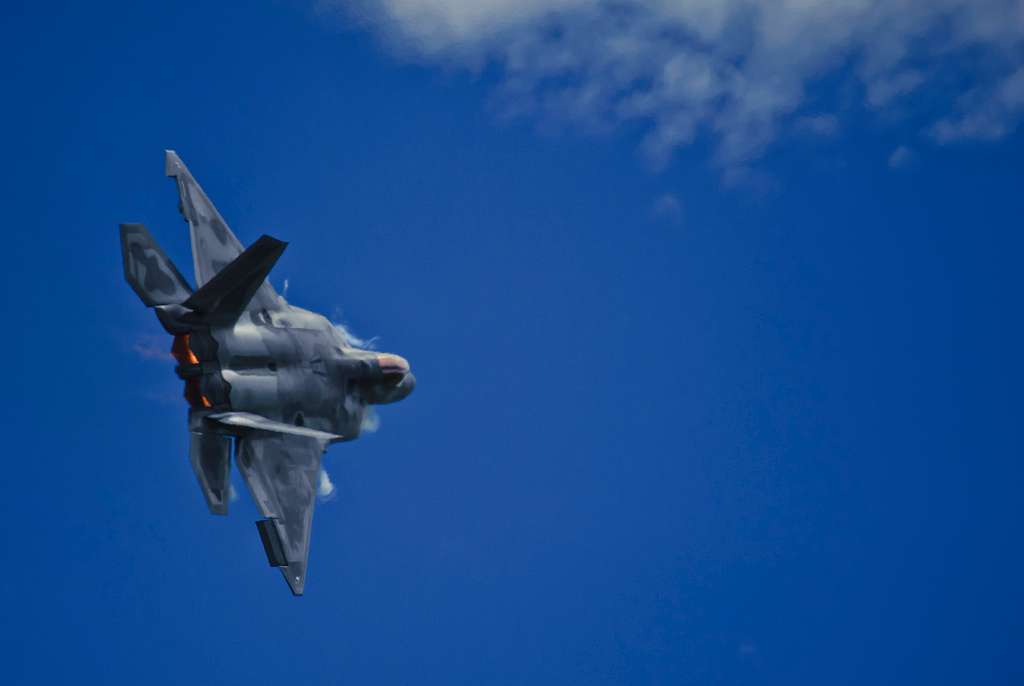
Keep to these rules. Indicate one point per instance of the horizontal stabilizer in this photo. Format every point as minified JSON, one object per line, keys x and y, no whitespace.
{"x":148,"y":269}
{"x":228,"y":293}
{"x":247,"y":420}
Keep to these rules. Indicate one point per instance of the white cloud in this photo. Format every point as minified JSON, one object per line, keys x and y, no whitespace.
{"x":817,"y":125}
{"x":738,"y":71}
{"x":986,"y":113}
{"x":667,"y":207}
{"x":900,"y":157}
{"x":883,"y":89}
{"x":326,"y":488}
{"x":370,"y":422}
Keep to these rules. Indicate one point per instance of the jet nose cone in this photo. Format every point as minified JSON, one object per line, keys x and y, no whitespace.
{"x":392,"y":364}
{"x":392,"y":381}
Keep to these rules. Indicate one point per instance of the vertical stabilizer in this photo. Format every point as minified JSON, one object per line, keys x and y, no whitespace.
{"x":210,"y":455}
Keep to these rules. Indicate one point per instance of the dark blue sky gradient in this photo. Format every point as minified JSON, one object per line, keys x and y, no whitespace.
{"x":776,"y":441}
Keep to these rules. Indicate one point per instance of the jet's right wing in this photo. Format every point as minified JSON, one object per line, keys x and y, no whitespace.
{"x":282,"y":471}
{"x":214,"y":246}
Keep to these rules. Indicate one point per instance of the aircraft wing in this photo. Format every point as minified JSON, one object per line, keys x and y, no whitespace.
{"x":282,"y":471}
{"x":214,"y":246}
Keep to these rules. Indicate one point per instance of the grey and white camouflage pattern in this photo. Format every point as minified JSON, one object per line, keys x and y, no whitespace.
{"x":275,"y":382}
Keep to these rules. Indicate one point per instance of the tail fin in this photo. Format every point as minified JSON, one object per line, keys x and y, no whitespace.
{"x":227,"y":294}
{"x":148,"y":269}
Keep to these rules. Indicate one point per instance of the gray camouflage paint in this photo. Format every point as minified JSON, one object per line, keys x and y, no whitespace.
{"x":281,"y":381}
{"x":151,"y":274}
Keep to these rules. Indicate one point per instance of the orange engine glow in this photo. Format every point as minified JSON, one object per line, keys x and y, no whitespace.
{"x":182,"y":352}
{"x":188,"y":362}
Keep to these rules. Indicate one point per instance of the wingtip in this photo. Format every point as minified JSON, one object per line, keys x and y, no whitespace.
{"x":218,"y":507}
{"x":173,"y":164}
{"x":296,"y":578}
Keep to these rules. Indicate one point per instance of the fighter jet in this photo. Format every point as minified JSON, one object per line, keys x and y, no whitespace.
{"x":267,"y":382}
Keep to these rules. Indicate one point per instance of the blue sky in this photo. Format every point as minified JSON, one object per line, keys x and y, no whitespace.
{"x":716,"y":339}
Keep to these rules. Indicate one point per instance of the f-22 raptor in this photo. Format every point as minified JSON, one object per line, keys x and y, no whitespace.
{"x":268,"y":382}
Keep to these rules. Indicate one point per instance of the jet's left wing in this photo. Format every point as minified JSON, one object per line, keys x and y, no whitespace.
{"x":282,"y":471}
